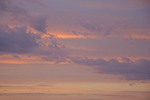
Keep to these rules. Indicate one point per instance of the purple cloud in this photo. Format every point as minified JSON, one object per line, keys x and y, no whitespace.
{"x":19,"y":14}
{"x":91,"y":27}
{"x":17,"y":40}
{"x":54,"y":51}
{"x":38,"y":23}
{"x":80,"y":33}
{"x":8,"y":6}
{"x":101,"y":27}
{"x":138,"y":70}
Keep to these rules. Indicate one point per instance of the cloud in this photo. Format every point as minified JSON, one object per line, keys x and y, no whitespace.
{"x":56,"y":55}
{"x":38,"y":23}
{"x":17,"y":40}
{"x":80,"y":33}
{"x":9,"y":7}
{"x":15,"y":13}
{"x":12,"y":12}
{"x":99,"y":28}
{"x":138,"y":70}
{"x":91,"y":27}
{"x":54,"y":51}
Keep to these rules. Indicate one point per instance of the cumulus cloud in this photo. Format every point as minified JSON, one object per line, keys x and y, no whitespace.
{"x":17,"y":40}
{"x":138,"y":70}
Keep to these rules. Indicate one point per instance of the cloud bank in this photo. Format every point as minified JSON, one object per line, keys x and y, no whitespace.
{"x":121,"y":23}
{"x":138,"y":70}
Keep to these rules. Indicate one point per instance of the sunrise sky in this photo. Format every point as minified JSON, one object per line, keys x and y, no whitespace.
{"x":74,"y":50}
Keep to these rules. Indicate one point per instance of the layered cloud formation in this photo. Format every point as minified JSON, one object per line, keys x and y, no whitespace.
{"x":36,"y":32}
{"x":17,"y":36}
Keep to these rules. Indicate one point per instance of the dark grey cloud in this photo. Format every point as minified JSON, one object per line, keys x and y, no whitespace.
{"x":17,"y":40}
{"x":138,"y":70}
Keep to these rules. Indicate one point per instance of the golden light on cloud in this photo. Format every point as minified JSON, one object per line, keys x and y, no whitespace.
{"x":140,"y":37}
{"x":74,"y":49}
{"x":21,"y":59}
{"x":69,"y":36}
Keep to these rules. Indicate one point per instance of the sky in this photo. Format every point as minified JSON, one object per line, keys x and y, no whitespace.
{"x":74,"y":49}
